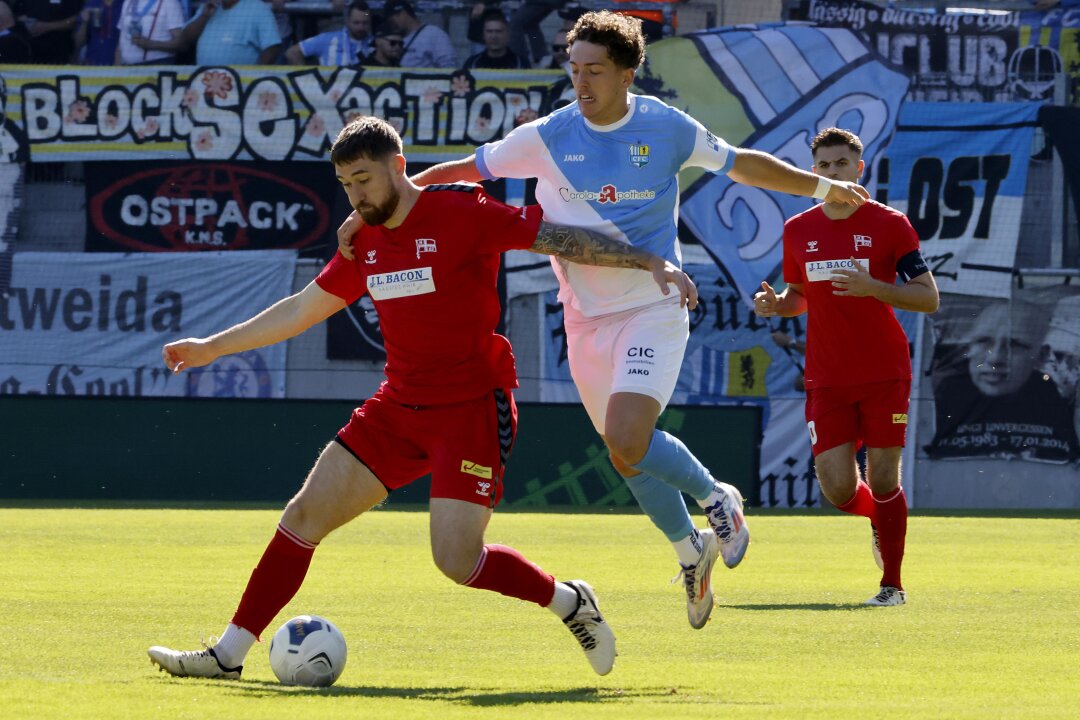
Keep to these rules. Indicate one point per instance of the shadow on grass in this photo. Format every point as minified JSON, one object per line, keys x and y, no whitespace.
{"x":479,"y":697}
{"x":819,"y":607}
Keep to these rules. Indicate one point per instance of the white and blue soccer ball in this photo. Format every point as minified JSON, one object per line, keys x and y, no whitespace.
{"x":308,"y":650}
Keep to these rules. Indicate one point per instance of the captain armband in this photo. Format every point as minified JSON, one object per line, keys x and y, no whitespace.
{"x":911,"y":266}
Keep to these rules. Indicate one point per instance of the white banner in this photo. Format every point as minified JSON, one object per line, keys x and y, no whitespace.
{"x":94,"y":324}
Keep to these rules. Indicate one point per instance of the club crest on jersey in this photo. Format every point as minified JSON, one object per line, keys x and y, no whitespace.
{"x":424,"y":245}
{"x":712,"y":141}
{"x":370,"y":257}
{"x":812,"y":246}
{"x":639,"y":155}
{"x":862,"y":241}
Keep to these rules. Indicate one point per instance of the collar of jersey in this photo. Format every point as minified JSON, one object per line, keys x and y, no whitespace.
{"x":618,"y":123}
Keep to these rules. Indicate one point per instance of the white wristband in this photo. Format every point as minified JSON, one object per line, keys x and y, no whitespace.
{"x":822,"y":189}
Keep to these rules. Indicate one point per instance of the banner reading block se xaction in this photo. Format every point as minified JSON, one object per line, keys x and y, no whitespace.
{"x":259,"y":113}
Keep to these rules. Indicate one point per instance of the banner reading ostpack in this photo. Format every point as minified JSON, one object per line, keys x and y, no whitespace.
{"x":959,"y":172}
{"x":209,"y":206}
{"x":94,"y":324}
{"x":260,"y":113}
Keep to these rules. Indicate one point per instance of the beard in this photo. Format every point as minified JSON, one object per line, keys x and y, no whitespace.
{"x":379,"y":214}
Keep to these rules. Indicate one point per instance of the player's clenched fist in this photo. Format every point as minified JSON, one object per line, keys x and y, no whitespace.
{"x":765,"y":301}
{"x":186,"y":354}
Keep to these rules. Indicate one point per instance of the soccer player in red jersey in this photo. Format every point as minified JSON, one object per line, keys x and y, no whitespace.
{"x":429,"y":258}
{"x":840,"y":266}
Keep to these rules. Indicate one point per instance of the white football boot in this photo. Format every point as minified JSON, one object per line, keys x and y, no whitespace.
{"x":727,"y":520}
{"x":192,"y":663}
{"x":588,"y":626}
{"x":697,"y":579}
{"x":888,"y":595}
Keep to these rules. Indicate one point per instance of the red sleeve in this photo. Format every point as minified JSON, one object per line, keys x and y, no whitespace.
{"x":502,"y":227}
{"x":907,"y":240}
{"x":342,"y":278}
{"x":792,"y":269}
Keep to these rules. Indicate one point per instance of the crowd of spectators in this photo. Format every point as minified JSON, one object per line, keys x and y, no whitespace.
{"x":260,"y":32}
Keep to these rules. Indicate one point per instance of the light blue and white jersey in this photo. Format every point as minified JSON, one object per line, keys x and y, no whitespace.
{"x":619,"y":179}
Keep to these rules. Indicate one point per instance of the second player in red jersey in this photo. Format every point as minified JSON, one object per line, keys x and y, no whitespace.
{"x":841,"y":265}
{"x":838,"y":352}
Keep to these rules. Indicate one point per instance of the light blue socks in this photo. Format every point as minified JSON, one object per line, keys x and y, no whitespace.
{"x":671,"y":462}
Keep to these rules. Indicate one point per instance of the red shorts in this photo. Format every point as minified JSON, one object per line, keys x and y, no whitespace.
{"x":873,"y":414}
{"x":465,"y":446}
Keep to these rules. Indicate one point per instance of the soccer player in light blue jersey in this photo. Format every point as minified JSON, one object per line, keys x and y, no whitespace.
{"x":610,"y":162}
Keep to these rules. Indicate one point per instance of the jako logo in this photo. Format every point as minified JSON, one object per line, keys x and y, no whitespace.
{"x":573,"y":158}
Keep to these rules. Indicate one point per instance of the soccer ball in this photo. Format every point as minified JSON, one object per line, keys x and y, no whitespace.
{"x":308,"y":650}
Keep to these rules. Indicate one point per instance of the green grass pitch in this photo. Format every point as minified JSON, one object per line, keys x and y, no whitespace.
{"x":992,"y":628}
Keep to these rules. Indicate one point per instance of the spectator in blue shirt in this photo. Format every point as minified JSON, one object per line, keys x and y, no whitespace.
{"x":234,"y":32}
{"x":337,"y":47}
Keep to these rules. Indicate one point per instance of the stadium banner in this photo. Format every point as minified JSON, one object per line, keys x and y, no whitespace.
{"x":94,"y":323}
{"x":169,"y":206}
{"x":966,"y":56}
{"x":1005,"y":376}
{"x":160,"y":112}
{"x":959,"y":170}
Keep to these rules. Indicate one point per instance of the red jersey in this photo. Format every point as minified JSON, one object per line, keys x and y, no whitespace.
{"x":433,"y":280}
{"x":849,"y":340}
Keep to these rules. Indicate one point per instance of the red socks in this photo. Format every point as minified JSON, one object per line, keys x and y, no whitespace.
{"x":274,"y":581}
{"x":890,"y":519}
{"x":861,"y":503}
{"x":506,"y":571}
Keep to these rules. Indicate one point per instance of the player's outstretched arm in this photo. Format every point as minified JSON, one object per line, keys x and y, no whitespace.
{"x":463,"y":170}
{"x":588,"y":247}
{"x":281,"y":321}
{"x":753,"y":167}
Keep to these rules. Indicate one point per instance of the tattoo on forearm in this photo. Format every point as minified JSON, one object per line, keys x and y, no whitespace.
{"x":587,"y":247}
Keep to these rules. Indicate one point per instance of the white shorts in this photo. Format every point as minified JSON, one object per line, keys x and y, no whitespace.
{"x":635,"y":351}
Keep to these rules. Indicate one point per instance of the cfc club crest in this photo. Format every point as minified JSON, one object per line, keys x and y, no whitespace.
{"x":862,"y":241}
{"x":639,"y":155}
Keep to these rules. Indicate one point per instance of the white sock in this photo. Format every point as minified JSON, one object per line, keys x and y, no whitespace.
{"x":565,"y":600}
{"x":233,"y":646}
{"x":689,"y":548}
{"x":714,"y":497}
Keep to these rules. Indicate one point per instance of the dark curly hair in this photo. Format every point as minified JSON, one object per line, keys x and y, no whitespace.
{"x":620,"y":34}
{"x":833,"y":136}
